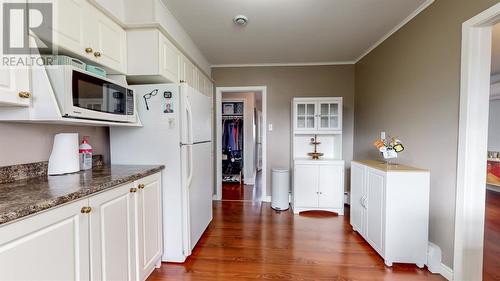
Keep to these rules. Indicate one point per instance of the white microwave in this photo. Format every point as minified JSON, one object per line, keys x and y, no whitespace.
{"x":81,"y":94}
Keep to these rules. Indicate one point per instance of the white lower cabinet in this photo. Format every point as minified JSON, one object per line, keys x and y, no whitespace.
{"x":149,"y":225}
{"x":53,"y":245}
{"x":390,"y":210}
{"x":318,"y":185}
{"x":114,"y":235}
{"x":112,"y":248}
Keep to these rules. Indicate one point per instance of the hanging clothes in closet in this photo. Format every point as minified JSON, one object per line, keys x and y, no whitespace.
{"x":232,"y":148}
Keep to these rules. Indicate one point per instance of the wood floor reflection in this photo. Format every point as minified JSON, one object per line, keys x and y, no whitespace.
{"x":491,"y":260}
{"x":250,"y":241}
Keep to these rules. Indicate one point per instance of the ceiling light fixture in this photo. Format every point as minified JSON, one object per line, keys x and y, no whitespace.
{"x":240,"y":20}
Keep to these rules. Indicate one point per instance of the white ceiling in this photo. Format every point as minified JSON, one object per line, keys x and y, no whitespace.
{"x":290,"y":31}
{"x":495,"y":58}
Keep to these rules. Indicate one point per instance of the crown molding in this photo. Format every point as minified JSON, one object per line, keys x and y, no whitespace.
{"x":285,"y":64}
{"x":422,"y":7}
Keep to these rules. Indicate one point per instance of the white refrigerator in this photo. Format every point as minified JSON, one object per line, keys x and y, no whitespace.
{"x":176,"y":132}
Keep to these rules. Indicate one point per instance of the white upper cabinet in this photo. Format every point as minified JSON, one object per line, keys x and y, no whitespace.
{"x":152,"y":58}
{"x":317,"y":115}
{"x":85,"y":32}
{"x":69,"y":23}
{"x":188,"y":72}
{"x":108,"y":41}
{"x":14,"y":81}
{"x":305,"y":116}
{"x":14,"y":86}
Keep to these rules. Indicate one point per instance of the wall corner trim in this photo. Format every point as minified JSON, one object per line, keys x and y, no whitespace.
{"x":422,"y":7}
{"x":446,"y":272}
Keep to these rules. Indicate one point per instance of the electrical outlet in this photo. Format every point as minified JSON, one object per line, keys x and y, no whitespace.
{"x":270,"y":127}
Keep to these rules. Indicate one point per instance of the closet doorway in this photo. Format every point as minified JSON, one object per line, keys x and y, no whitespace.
{"x":240,"y":144}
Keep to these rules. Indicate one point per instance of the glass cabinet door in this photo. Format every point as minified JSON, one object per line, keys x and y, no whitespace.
{"x":305,"y":116}
{"x":329,"y":117}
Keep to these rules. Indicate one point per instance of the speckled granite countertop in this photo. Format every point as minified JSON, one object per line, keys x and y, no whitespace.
{"x":29,"y":196}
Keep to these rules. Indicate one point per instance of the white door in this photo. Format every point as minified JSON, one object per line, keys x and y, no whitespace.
{"x":197,"y":116}
{"x":329,"y":115}
{"x":70,"y":18}
{"x":375,"y":184}
{"x":169,"y":59}
{"x":306,"y":185}
{"x":331,"y":187}
{"x":14,"y":81}
{"x":200,"y":190}
{"x":357,"y":197}
{"x":149,"y":224}
{"x":112,"y":235}
{"x":49,"y":246}
{"x":305,"y":116}
{"x":188,"y":72}
{"x":108,"y":41}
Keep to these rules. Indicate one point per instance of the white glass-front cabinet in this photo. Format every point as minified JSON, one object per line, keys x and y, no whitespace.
{"x":319,"y":115}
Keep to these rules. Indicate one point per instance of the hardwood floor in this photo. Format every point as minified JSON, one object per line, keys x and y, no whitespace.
{"x":249,"y":241}
{"x":243,"y":192}
{"x":491,"y":260}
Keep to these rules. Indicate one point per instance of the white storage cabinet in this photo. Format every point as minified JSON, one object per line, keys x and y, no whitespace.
{"x":114,"y":235}
{"x":390,"y":210}
{"x":84,"y":31}
{"x":152,"y":58}
{"x":318,"y":185}
{"x":317,"y":115}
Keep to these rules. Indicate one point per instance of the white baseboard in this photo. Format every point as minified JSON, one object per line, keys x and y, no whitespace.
{"x":216,"y":198}
{"x":446,"y":272}
{"x":266,"y":199}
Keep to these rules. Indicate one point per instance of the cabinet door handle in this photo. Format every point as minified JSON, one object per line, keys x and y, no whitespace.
{"x":364,"y":202}
{"x":86,"y":210}
{"x":88,"y":50}
{"x":141,"y":186}
{"x":97,"y":54}
{"x":24,"y":95}
{"x":133,"y":190}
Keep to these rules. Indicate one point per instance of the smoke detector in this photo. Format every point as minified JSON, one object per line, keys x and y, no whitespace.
{"x":240,"y":20}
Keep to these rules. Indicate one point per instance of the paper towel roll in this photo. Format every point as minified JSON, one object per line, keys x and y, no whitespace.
{"x":64,"y":157}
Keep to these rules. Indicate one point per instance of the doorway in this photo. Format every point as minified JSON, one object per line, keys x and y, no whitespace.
{"x":240,"y":143}
{"x":473,"y":144}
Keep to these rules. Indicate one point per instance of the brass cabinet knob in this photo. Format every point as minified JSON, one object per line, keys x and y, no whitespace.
{"x":141,"y":186}
{"x":86,"y":210}
{"x":133,"y":190}
{"x":88,"y":50}
{"x":97,"y":54}
{"x":25,"y":95}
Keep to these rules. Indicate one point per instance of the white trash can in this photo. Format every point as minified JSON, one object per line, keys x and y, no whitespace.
{"x":280,"y":189}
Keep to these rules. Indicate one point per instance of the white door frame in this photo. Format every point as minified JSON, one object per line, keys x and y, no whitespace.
{"x":472,"y":145}
{"x":218,"y":149}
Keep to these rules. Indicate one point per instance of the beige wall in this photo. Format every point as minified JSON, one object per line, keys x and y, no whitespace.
{"x":27,"y":143}
{"x":284,"y":83}
{"x":409,"y":87}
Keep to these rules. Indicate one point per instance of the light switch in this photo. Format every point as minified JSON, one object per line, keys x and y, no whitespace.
{"x":270,"y":127}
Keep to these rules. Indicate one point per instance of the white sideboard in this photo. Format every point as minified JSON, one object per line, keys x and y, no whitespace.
{"x":390,"y":209}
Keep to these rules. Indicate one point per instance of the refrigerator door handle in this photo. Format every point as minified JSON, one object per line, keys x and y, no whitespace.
{"x":190,"y":165}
